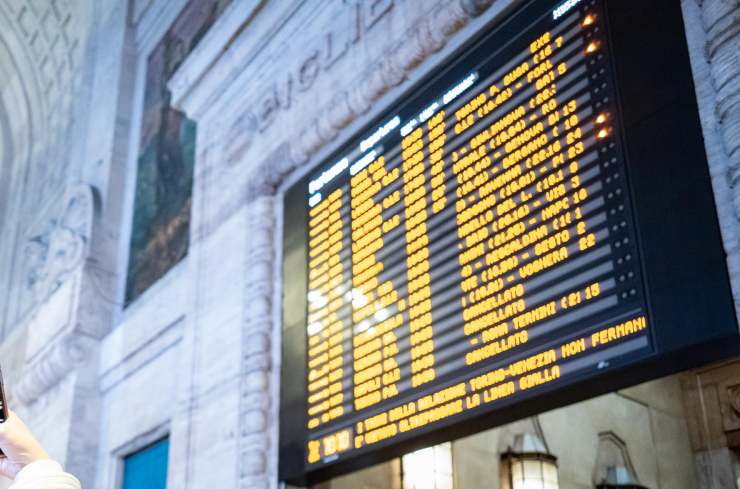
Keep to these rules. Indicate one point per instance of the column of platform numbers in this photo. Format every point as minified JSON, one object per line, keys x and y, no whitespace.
{"x":326,"y":299}
{"x":377,"y":308}
{"x":564,"y":123}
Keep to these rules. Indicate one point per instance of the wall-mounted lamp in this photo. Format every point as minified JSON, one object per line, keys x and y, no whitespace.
{"x":530,"y":465}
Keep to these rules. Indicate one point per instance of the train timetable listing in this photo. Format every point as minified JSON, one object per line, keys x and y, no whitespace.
{"x":476,"y":248}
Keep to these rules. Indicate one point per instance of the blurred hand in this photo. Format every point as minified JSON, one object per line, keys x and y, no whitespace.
{"x":19,"y":446}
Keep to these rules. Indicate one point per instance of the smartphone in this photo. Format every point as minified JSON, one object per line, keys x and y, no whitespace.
{"x":3,"y":404}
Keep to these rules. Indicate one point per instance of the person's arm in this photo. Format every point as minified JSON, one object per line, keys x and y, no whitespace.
{"x":26,"y":462}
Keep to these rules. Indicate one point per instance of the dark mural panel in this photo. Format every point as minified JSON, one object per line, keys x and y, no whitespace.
{"x":164,"y":180}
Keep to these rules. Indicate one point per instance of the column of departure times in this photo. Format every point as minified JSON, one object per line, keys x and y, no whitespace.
{"x":326,"y":310}
{"x":419,"y":289}
{"x":377,"y":308}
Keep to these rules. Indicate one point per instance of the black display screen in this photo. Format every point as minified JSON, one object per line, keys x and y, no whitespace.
{"x":476,"y":247}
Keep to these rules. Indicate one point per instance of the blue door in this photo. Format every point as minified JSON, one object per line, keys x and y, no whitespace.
{"x":147,"y":468}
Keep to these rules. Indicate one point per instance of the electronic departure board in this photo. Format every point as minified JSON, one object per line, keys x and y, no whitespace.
{"x":490,"y":242}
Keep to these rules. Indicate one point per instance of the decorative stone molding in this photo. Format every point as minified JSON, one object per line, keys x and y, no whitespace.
{"x":255,"y":389}
{"x":424,"y":38}
{"x":729,"y":399}
{"x":241,"y":134}
{"x":713,"y":31}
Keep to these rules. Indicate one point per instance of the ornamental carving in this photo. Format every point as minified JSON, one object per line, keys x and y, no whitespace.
{"x":61,"y":246}
{"x":55,"y":253}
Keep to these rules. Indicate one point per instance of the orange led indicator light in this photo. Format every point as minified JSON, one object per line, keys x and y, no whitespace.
{"x":589,"y":20}
{"x":601,"y":118}
{"x":592,"y":46}
{"x":602,"y":133}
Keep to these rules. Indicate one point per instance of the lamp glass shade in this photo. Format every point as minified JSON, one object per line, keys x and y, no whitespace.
{"x":533,"y":473}
{"x":428,"y":468}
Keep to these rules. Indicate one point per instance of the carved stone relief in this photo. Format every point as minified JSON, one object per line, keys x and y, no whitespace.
{"x":729,"y":398}
{"x":55,"y":254}
{"x":62,"y":244}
